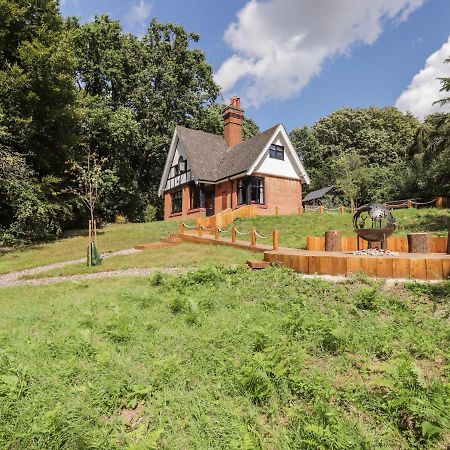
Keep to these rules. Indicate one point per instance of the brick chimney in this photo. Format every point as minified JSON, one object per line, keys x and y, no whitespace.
{"x":233,"y":119}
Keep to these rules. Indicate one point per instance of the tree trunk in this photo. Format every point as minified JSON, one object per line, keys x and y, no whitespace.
{"x":332,"y":241}
{"x":418,"y":243}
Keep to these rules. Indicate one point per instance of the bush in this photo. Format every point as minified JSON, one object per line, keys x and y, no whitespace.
{"x":121,"y":219}
{"x":150,"y":213}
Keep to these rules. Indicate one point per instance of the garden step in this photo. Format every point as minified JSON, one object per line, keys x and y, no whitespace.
{"x":256,"y":264}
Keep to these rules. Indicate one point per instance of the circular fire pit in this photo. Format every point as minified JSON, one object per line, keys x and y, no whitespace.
{"x":374,"y":223}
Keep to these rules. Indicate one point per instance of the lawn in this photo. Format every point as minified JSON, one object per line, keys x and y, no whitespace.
{"x":181,"y":255}
{"x":293,"y":232}
{"x":224,"y":358}
{"x":294,"y":229}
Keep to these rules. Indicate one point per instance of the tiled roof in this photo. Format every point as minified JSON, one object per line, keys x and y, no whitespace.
{"x":210,"y":159}
{"x":314,"y":195}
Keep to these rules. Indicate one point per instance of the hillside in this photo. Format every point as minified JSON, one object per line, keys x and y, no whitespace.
{"x":224,"y":359}
{"x":293,"y":231}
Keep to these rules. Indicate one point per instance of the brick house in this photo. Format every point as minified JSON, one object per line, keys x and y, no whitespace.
{"x":207,"y":173}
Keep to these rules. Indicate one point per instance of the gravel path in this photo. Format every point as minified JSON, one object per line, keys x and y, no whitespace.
{"x":93,"y":276}
{"x":13,"y":278}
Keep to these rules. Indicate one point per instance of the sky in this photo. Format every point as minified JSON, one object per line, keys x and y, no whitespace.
{"x":295,"y":61}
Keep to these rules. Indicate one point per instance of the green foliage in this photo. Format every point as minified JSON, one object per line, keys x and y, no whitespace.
{"x":224,"y":358}
{"x":377,"y":142}
{"x":150,"y":213}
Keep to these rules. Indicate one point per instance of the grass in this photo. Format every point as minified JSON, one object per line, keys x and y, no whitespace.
{"x":181,"y":255}
{"x":293,"y":231}
{"x":225,"y":358}
{"x":110,"y":238}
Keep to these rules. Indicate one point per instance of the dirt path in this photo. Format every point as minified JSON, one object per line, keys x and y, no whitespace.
{"x":92,"y":276}
{"x":13,"y":278}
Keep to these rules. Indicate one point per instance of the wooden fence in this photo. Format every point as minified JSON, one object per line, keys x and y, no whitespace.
{"x":394,"y":243}
{"x":227,"y":216}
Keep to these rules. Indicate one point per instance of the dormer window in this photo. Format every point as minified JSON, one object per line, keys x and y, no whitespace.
{"x":276,"y":152}
{"x":182,"y":165}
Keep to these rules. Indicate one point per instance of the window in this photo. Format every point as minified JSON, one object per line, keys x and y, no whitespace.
{"x":196,"y":196}
{"x":177,"y":202}
{"x":257,"y":191}
{"x":251,"y":190}
{"x":276,"y":151}
{"x":182,"y":165}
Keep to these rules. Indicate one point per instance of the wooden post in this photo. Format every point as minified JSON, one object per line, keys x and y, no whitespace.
{"x":321,"y":209}
{"x":439,"y":202}
{"x":300,"y":210}
{"x":233,"y":234}
{"x":253,"y":237}
{"x":332,"y":241}
{"x":276,"y":210}
{"x":342,"y":209}
{"x":418,"y":243}
{"x":90,"y":245}
{"x":216,"y":233}
{"x":409,"y":203}
{"x":95,"y":232}
{"x":199,"y":229}
{"x":275,"y":239}
{"x":181,"y":228}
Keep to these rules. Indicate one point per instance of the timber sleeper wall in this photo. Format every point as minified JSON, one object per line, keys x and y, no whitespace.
{"x":394,"y":244}
{"x":434,"y":267}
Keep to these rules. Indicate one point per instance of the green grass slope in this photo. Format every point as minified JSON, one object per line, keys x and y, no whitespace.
{"x":293,"y":232}
{"x":224,"y":359}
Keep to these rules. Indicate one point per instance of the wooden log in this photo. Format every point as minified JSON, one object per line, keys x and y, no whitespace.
{"x":418,"y":243}
{"x":332,"y":241}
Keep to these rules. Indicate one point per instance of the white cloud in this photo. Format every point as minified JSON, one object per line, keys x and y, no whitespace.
{"x":138,"y":16}
{"x":424,"y":88}
{"x":279,"y":45}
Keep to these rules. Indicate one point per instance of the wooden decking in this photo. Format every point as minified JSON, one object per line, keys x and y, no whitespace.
{"x":415,"y":266}
{"x":429,"y":266}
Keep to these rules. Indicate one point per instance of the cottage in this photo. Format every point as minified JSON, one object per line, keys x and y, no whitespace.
{"x":206,"y":173}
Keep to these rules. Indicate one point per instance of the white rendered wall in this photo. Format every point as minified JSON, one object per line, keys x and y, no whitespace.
{"x":183,"y":178}
{"x":278,"y":167}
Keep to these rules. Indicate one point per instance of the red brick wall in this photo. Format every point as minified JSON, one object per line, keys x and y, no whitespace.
{"x":282,"y":192}
{"x":186,"y":212}
{"x":222,"y":196}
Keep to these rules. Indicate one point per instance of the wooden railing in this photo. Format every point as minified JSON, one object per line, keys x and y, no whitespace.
{"x":218,"y":232}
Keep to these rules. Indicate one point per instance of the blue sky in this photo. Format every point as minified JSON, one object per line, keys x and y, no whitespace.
{"x":294,"y":61}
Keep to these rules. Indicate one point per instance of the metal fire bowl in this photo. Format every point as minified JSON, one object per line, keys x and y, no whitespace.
{"x":375,"y":234}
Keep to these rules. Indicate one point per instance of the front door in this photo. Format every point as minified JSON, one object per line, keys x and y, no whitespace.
{"x":209,"y":202}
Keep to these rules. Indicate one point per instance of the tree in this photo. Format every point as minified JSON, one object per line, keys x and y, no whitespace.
{"x":381,"y":138}
{"x":210,"y":120}
{"x":89,"y":178}
{"x":445,"y":87}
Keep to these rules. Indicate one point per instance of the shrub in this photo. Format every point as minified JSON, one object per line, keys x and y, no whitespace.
{"x":150,"y":213}
{"x":120,"y":219}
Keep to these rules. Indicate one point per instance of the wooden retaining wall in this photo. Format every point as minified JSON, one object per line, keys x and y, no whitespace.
{"x":394,"y":243}
{"x":405,"y":266}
